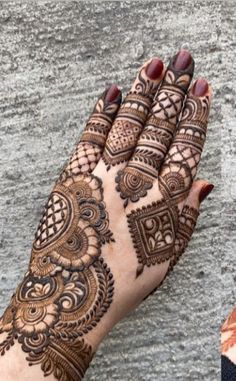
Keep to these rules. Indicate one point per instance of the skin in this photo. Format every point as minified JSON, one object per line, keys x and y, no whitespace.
{"x":228,"y":337}
{"x":131,"y":285}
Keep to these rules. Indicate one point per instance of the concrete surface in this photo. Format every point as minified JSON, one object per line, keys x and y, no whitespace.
{"x":56,"y":57}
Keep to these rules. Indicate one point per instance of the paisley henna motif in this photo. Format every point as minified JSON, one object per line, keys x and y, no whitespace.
{"x":73,"y":226}
{"x":68,"y":287}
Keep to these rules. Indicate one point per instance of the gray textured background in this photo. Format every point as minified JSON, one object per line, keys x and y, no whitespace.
{"x":56,"y":57}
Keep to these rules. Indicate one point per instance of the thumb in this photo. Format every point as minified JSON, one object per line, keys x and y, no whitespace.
{"x":187,"y":221}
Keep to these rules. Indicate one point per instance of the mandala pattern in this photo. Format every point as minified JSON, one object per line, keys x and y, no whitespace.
{"x":132,"y":185}
{"x":175,"y":181}
{"x":153,"y":230}
{"x":155,"y":139}
{"x":68,"y":287}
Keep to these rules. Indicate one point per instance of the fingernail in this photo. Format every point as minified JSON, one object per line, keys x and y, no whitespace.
{"x":154,"y":69}
{"x":205,"y":191}
{"x":112,"y":93}
{"x":200,"y":87}
{"x":183,"y":60}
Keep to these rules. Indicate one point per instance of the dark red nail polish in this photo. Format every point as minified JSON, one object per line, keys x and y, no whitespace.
{"x":200,"y":87}
{"x":154,"y":69}
{"x":183,"y":60}
{"x":112,"y":93}
{"x":205,"y":191}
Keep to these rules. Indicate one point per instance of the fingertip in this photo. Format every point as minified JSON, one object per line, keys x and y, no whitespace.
{"x":154,"y":68}
{"x":201,"y":88}
{"x":182,"y":60}
{"x":200,"y":190}
{"x":113,"y":94}
{"x":205,"y":191}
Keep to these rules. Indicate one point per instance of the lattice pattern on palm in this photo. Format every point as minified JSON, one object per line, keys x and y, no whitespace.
{"x":53,"y":220}
{"x":84,"y":159}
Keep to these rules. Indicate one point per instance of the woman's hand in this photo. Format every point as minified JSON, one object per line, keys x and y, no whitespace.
{"x":117,"y":220}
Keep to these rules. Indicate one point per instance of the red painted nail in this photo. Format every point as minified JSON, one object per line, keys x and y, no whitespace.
{"x":200,"y":87}
{"x":154,"y":69}
{"x":205,"y":191}
{"x":112,"y":93}
{"x":183,"y":60}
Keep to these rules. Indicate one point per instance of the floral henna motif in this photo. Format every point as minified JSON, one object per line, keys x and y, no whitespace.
{"x":175,"y":181}
{"x":48,"y":316}
{"x":68,"y":287}
{"x":156,"y":137}
{"x":153,"y":230}
{"x":132,"y":185}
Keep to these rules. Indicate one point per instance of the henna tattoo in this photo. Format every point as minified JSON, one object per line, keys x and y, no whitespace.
{"x":153,"y":229}
{"x":156,"y":137}
{"x":73,"y":225}
{"x":132,"y":185}
{"x":120,"y":142}
{"x":190,"y":137}
{"x":48,"y":316}
{"x":84,"y":159}
{"x":68,"y":287}
{"x":54,"y":360}
{"x":175,"y":181}
{"x":99,"y":124}
{"x":88,"y":152}
{"x":130,"y":120}
{"x":187,"y":223}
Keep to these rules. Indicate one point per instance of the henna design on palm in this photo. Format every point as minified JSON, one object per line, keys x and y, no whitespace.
{"x":68,"y":288}
{"x":153,"y":230}
{"x":152,"y":149}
